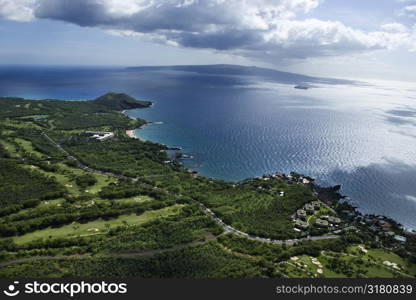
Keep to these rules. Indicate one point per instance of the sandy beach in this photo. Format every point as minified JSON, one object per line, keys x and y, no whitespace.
{"x":130,"y":133}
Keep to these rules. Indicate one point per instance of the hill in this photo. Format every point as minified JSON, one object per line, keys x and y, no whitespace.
{"x":120,"y":102}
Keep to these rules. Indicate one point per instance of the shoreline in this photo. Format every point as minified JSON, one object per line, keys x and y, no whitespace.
{"x":355,"y":210}
{"x":130,"y":134}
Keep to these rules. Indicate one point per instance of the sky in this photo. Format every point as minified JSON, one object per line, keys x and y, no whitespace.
{"x":336,"y":38}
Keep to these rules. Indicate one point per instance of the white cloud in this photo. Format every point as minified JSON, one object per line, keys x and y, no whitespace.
{"x":17,"y":10}
{"x":394,"y":27}
{"x":409,"y":10}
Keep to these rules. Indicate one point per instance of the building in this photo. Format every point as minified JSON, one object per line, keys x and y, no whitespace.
{"x":348,"y":213}
{"x":381,"y":222}
{"x":305,"y":181}
{"x":351,"y":229}
{"x":309,"y":208}
{"x":301,"y":214}
{"x":301,"y":224}
{"x":100,"y":135}
{"x":400,"y":239}
{"x":334,"y":220}
{"x":386,"y":227}
{"x":316,"y":205}
{"x":321,"y":223}
{"x":389,"y":233}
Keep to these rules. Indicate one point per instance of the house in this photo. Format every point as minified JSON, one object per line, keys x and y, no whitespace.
{"x":400,"y":239}
{"x":350,"y":229}
{"x":301,"y":224}
{"x":389,"y":234}
{"x":382,"y":222}
{"x":305,"y":181}
{"x":334,"y":220}
{"x":368,"y":220}
{"x":321,"y":223}
{"x":301,"y":214}
{"x":309,"y":208}
{"x":349,"y":214}
{"x":386,"y":227}
{"x":281,"y":194}
{"x":316,"y":205}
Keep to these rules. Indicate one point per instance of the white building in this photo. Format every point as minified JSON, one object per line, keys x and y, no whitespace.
{"x":100,"y":135}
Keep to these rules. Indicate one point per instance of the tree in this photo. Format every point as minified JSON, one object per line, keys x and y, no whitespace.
{"x":85,"y":181}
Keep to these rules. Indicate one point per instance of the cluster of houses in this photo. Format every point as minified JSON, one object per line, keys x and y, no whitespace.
{"x":353,"y":220}
{"x":309,"y":209}
{"x":100,"y":135}
{"x":287,"y":178}
{"x":328,"y":221}
{"x":380,"y":226}
{"x":383,"y":227}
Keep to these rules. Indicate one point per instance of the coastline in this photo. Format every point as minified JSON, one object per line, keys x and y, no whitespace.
{"x":130,"y":134}
{"x":334,"y":190}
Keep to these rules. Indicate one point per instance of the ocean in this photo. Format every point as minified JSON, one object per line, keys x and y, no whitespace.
{"x":243,"y":122}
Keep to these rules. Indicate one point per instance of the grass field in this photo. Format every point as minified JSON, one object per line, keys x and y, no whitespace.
{"x":50,"y":203}
{"x":66,"y":176}
{"x":10,"y":148}
{"x":98,"y":226}
{"x":358,"y":261}
{"x":63,"y":179}
{"x":7,"y":132}
{"x":15,"y":124}
{"x":381,"y":255}
{"x":102,"y":180}
{"x":28,"y":147}
{"x":138,"y":199}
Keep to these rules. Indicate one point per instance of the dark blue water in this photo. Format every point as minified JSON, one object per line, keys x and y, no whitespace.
{"x":240,"y":123}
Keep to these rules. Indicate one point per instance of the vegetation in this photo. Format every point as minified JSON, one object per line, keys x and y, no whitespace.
{"x":74,"y":206}
{"x":19,"y":186}
{"x":120,"y":102}
{"x":86,"y":180}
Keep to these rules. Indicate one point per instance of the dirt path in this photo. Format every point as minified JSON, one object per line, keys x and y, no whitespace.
{"x":131,"y":254}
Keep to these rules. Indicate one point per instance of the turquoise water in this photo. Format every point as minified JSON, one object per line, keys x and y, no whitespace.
{"x":244,"y":124}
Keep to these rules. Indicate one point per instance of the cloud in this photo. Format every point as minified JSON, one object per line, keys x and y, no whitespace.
{"x":409,"y":10}
{"x":265,"y":29}
{"x":394,"y":27}
{"x":17,"y":10}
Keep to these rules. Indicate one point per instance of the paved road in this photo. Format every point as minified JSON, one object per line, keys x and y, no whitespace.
{"x":230,"y":229}
{"x":227,"y":228}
